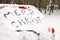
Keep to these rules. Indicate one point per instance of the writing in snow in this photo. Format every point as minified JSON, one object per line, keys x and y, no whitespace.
{"x":25,"y":19}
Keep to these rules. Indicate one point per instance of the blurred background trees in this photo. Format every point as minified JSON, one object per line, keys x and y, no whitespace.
{"x":38,"y":3}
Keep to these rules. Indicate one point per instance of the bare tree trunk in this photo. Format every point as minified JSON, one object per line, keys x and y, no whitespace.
{"x":40,"y":5}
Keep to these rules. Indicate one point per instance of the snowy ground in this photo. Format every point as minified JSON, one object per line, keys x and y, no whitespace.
{"x":54,"y":20}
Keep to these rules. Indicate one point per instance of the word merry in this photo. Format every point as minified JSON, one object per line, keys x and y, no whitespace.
{"x":21,"y":12}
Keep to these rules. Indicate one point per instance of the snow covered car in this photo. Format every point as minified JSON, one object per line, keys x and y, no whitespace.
{"x":22,"y":22}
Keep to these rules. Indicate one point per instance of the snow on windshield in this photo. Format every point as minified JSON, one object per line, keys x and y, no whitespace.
{"x":19,"y":17}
